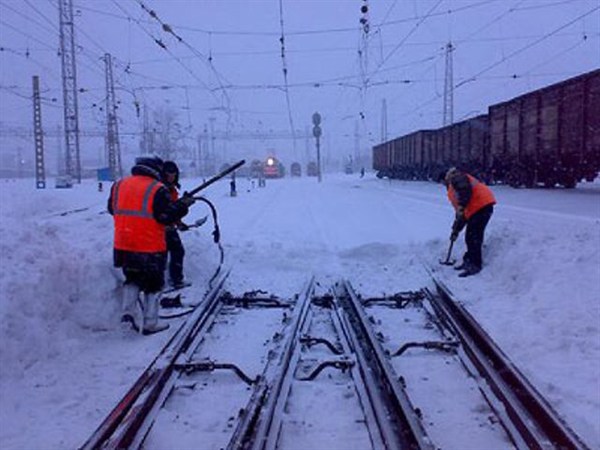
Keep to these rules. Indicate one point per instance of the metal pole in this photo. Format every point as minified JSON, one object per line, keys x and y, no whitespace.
{"x":319,"y":159}
{"x":69,"y":82}
{"x":40,"y":172}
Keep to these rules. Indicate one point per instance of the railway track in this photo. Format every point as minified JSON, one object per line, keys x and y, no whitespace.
{"x":408,"y":371}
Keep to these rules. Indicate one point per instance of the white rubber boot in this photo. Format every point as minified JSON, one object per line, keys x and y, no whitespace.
{"x":151,"y":324}
{"x":131,"y":307}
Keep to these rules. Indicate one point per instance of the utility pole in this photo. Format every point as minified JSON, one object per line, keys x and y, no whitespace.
{"x":145,"y":144}
{"x":357,"y":143}
{"x":69,"y":82}
{"x":205,"y":152}
{"x":112,"y":125}
{"x":213,"y":156}
{"x":317,"y":131}
{"x":40,"y":173}
{"x":198,"y":156}
{"x":449,"y":88}
{"x":384,"y":120}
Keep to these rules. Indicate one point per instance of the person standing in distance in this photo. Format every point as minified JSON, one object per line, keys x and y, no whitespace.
{"x":175,"y":250}
{"x":473,"y":203}
{"x":141,"y":207}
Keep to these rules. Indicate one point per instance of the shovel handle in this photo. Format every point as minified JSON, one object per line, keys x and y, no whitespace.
{"x":448,"y":262}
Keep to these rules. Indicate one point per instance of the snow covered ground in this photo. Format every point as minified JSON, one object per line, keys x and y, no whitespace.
{"x":65,"y":359}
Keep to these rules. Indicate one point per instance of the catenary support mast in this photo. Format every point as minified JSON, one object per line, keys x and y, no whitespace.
{"x":69,"y":81}
{"x":449,"y":88}
{"x":40,"y":172}
{"x":112,"y":126}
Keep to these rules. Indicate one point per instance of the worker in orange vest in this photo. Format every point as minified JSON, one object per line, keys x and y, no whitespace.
{"x":142,"y":207}
{"x":473,"y":203}
{"x":176,"y":252}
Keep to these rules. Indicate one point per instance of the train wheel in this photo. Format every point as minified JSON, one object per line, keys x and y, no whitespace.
{"x":569,"y":182}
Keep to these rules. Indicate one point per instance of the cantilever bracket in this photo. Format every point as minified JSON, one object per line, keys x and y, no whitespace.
{"x":445,"y":346}
{"x":210,"y":366}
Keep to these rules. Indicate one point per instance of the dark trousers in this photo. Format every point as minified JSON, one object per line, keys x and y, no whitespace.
{"x":474,"y":235}
{"x":176,"y":254}
{"x":148,"y":281}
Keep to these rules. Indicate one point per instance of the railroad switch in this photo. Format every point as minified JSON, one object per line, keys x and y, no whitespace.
{"x":324,"y":301}
{"x":210,"y":366}
{"x":343,"y":363}
{"x":399,"y":300}
{"x":256,"y":298}
{"x":310,"y":341}
{"x":445,"y":346}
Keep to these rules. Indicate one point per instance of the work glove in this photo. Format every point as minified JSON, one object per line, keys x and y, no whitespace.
{"x":186,"y":200}
{"x":458,"y":225}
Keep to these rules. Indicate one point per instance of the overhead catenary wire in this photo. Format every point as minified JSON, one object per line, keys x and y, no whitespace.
{"x":477,"y":76}
{"x":479,"y":40}
{"x":496,"y":19}
{"x":526,"y":47}
{"x":162,"y":45}
{"x":207,"y":61}
{"x":405,"y":38}
{"x":302,"y":32}
{"x":285,"y":74}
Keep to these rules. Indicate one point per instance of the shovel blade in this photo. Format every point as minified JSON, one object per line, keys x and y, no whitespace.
{"x":448,"y":262}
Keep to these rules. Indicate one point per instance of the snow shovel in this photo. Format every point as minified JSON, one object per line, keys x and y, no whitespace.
{"x":197,"y":224}
{"x":448,"y":261}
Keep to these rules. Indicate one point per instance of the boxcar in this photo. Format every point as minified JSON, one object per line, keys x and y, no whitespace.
{"x":549,"y":136}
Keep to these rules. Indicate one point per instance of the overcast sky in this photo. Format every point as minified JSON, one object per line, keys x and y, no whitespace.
{"x":228,"y":65}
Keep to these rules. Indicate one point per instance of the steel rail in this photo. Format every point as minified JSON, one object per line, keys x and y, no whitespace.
{"x":343,"y":331}
{"x":536,"y":422}
{"x":128,"y":423}
{"x":265,"y":408}
{"x":398,"y":421}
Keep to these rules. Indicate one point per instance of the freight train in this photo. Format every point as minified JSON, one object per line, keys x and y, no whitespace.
{"x":545,"y":137}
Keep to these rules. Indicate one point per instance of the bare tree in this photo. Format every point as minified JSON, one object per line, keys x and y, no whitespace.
{"x":168,"y":134}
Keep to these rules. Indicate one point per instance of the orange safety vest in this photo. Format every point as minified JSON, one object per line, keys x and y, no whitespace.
{"x":136,"y":229}
{"x":174,"y":193}
{"x":482,"y":196}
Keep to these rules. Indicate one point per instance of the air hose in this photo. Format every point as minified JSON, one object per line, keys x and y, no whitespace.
{"x":216,"y":238}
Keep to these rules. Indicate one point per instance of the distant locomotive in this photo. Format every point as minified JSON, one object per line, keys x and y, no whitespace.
{"x":312,"y":169}
{"x":272,"y":168}
{"x":549,"y":136}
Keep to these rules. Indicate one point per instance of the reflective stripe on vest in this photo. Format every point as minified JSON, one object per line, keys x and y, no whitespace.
{"x":144,"y":212}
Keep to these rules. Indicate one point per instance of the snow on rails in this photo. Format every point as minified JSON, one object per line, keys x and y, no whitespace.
{"x":408,"y":371}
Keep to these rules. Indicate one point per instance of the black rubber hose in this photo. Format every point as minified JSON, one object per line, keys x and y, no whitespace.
{"x":216,"y":238}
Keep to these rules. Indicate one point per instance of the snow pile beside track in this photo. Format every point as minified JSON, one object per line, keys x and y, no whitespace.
{"x":55,"y":283}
